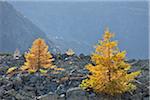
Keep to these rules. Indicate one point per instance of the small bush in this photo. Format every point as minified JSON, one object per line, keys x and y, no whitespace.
{"x":10,"y":70}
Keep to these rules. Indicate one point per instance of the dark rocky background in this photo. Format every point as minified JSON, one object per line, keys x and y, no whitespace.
{"x":65,"y":85}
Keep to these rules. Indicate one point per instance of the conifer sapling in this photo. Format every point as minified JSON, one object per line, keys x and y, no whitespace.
{"x":109,"y":73}
{"x":38,"y":57}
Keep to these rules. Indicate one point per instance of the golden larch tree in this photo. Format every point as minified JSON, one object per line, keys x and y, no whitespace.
{"x":38,"y":57}
{"x":109,"y":71}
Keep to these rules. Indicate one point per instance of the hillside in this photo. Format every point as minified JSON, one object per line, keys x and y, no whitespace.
{"x":81,"y":24}
{"x":16,"y":31}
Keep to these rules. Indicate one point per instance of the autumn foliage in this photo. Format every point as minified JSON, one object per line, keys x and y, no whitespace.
{"x":109,"y":71}
{"x":38,"y":57}
{"x":70,"y":52}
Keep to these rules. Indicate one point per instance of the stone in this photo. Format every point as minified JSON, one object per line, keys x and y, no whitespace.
{"x":62,"y":96}
{"x":3,"y":69}
{"x":9,"y":86}
{"x":146,"y":98}
{"x":2,"y":91}
{"x":11,"y":92}
{"x":60,"y":89}
{"x":136,"y":96}
{"x":76,"y":93}
{"x":16,"y":54}
{"x":63,"y":56}
{"x":19,"y":97}
{"x":49,"y":96}
{"x":92,"y":94}
{"x":28,"y":88}
{"x":81,"y":56}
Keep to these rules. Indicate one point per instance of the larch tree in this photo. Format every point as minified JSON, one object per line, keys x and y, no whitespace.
{"x":38,"y":57}
{"x":109,"y":71}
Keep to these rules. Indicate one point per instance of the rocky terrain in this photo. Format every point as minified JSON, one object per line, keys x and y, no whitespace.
{"x":65,"y":85}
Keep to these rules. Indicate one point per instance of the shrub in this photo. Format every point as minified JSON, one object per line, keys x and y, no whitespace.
{"x":10,"y":70}
{"x":70,"y":52}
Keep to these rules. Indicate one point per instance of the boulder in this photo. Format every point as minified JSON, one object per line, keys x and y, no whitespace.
{"x":76,"y":94}
{"x":49,"y":96}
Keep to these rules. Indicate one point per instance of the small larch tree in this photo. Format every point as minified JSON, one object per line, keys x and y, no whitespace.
{"x":109,"y":71}
{"x":38,"y":57}
{"x":70,"y":52}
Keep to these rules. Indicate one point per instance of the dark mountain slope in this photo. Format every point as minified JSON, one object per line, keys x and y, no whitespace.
{"x":16,"y":31}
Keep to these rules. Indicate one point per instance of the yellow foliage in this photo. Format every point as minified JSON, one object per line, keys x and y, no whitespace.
{"x":23,"y":68}
{"x":109,"y":74}
{"x":42,"y":71}
{"x":10,"y":70}
{"x":59,"y":69}
{"x":70,"y":52}
{"x":37,"y":57}
{"x":53,"y":66}
{"x":31,"y":71}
